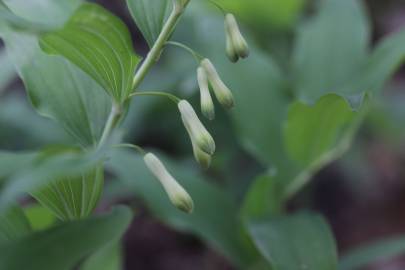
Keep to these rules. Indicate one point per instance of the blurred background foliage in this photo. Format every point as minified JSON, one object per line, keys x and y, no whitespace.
{"x":361,"y":195}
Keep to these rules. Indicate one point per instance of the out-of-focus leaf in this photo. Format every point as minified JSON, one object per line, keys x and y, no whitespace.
{"x":7,"y":17}
{"x":38,"y":170}
{"x":43,"y":12}
{"x":310,"y":131}
{"x":297,"y":242}
{"x":59,"y":90}
{"x":73,"y":196}
{"x":263,"y":199}
{"x":214,"y":218}
{"x":371,"y":252}
{"x":107,"y":258}
{"x":100,"y":44}
{"x":265,"y":14}
{"x":13,"y":225}
{"x":63,"y":246}
{"x":39,"y":217}
{"x":388,"y":55}
{"x":22,"y":128}
{"x":11,"y":162}
{"x":8,"y":72}
{"x":330,"y":48}
{"x":150,"y":16}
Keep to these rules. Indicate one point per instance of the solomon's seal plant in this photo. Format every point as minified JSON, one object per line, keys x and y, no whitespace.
{"x":92,"y":50}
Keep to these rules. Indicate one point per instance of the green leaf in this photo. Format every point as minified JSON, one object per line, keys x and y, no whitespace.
{"x":371,"y":252}
{"x":8,"y":72}
{"x":296,"y":242}
{"x":48,"y":250}
{"x":100,"y":44}
{"x":59,"y":90}
{"x":266,"y":14}
{"x":215,"y":217}
{"x":40,"y":169}
{"x":107,"y":258}
{"x":72,"y":197}
{"x":262,"y":199}
{"x":310,"y":131}
{"x":7,"y":17}
{"x":388,"y":56}
{"x":13,"y":225}
{"x":150,"y":16}
{"x":44,"y":13}
{"x":39,"y":217}
{"x":22,"y":128}
{"x":330,"y":48}
{"x":11,"y":162}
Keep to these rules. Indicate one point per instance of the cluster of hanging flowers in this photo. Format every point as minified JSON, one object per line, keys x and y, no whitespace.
{"x":203,"y":144}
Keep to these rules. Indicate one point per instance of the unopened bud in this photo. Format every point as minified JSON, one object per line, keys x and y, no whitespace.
{"x":177,"y":194}
{"x":222,"y":92}
{"x":201,"y":157}
{"x":230,"y":50}
{"x":239,"y":43}
{"x":207,"y":106}
{"x":195,"y":128}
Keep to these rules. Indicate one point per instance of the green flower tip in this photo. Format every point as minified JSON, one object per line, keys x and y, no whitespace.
{"x":176,"y":193}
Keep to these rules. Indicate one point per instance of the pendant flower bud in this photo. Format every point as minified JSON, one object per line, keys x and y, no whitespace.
{"x":237,"y":40}
{"x":195,"y":128}
{"x":207,"y":106}
{"x":177,"y":194}
{"x":230,"y":50}
{"x":201,"y":157}
{"x":222,"y":92}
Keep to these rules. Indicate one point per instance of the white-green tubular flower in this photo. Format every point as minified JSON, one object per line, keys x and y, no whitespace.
{"x":177,"y":194}
{"x":230,"y":50}
{"x":239,"y":43}
{"x":207,"y":106}
{"x":195,"y":128}
{"x":222,"y":92}
{"x":201,"y":157}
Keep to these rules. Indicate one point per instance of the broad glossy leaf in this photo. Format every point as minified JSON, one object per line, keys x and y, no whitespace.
{"x":73,"y":197}
{"x":107,"y":258}
{"x":310,"y":131}
{"x":13,"y":225}
{"x":296,"y":242}
{"x":100,"y":44}
{"x":60,"y":90}
{"x":214,"y":218}
{"x":150,"y":16}
{"x":63,"y":246}
{"x":371,"y":252}
{"x":330,"y":48}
